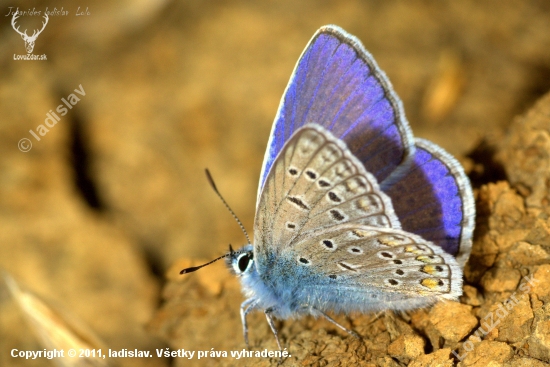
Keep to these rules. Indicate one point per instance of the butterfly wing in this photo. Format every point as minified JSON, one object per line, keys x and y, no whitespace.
{"x":314,"y":184}
{"x":362,"y":268}
{"x":340,"y":151}
{"x":323,"y":221}
{"x":434,"y":200}
{"x":338,"y":85}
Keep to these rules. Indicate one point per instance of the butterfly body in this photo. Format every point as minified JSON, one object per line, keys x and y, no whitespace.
{"x":304,"y":290}
{"x":353,"y":213}
{"x":339,"y":243}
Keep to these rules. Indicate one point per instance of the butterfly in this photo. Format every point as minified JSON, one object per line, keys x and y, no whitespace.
{"x":353,"y":213}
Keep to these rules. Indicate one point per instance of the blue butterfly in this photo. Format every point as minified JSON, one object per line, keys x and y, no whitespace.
{"x":353,"y":213}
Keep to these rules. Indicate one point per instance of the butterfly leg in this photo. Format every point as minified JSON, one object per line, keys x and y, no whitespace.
{"x":269,"y":318}
{"x":246,"y":307}
{"x":351,"y":332}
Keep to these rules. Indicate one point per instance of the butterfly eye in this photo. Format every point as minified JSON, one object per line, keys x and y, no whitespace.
{"x":244,"y":261}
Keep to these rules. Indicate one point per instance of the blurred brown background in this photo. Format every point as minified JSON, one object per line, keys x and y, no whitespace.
{"x":92,"y":216}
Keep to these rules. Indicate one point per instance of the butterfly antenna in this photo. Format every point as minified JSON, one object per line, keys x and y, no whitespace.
{"x":211,"y":181}
{"x":195,"y":268}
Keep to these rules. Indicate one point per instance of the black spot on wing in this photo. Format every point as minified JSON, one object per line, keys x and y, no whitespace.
{"x":333,"y":197}
{"x":312,"y":175}
{"x":328,"y":244}
{"x":337,"y":215}
{"x":346,"y":266}
{"x":298,"y":202}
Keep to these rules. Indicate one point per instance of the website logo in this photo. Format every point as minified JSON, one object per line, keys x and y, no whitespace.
{"x":29,"y":40}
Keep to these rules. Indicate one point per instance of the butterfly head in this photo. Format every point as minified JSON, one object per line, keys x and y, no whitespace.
{"x":242,"y":261}
{"x":242,"y":264}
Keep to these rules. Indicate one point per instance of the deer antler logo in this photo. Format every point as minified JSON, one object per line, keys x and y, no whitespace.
{"x":29,"y":41}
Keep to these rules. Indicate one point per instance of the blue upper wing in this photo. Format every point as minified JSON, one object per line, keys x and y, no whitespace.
{"x":337,"y":84}
{"x":434,"y":199}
